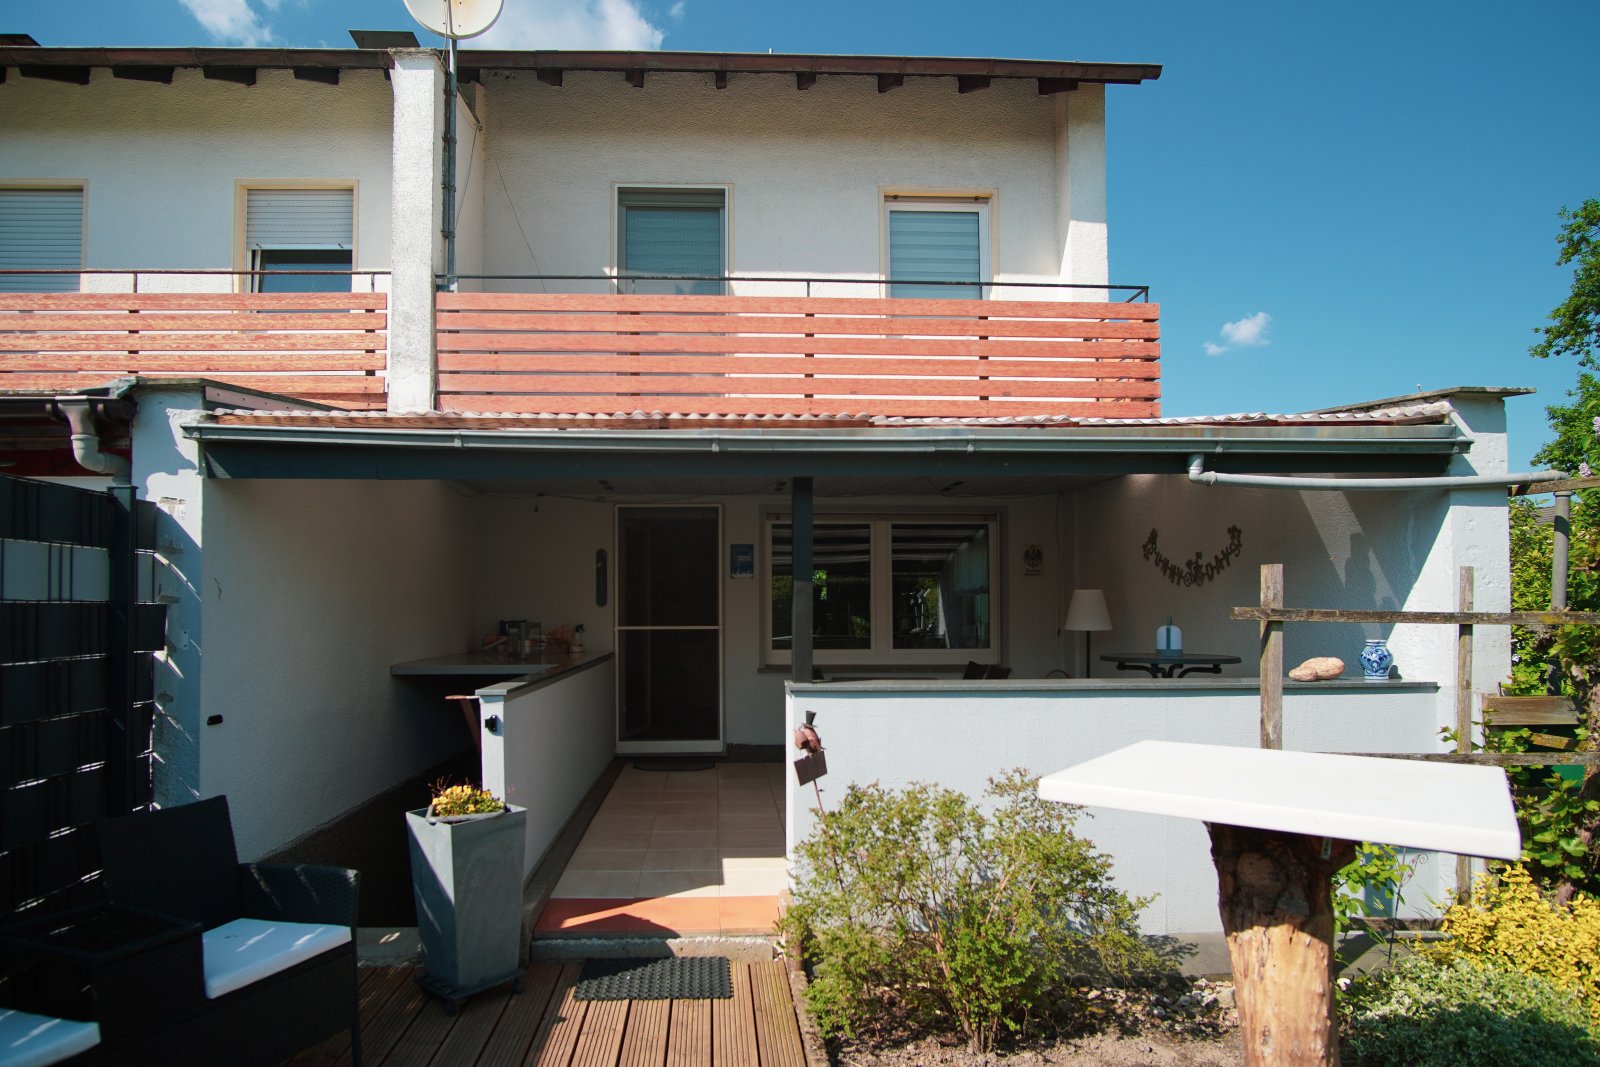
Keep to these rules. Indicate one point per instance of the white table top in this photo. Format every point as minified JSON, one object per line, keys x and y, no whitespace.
{"x":1438,"y":806}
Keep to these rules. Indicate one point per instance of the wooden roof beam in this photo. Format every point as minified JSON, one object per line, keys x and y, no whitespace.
{"x":720,"y":79}
{"x":163,"y":75}
{"x":237,"y":75}
{"x":325,"y":75}
{"x":635,"y":77}
{"x":1051,"y":86}
{"x":70,"y":75}
{"x":890,"y":81}
{"x":550,"y":76}
{"x":805,"y":79}
{"x":971,"y":83}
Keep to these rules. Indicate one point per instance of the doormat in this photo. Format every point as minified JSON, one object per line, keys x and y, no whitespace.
{"x":671,"y":978}
{"x":673,"y":764}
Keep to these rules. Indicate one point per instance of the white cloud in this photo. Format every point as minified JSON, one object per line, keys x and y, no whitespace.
{"x":1248,"y":332}
{"x":599,"y":24}
{"x":675,"y":12}
{"x":231,"y":21}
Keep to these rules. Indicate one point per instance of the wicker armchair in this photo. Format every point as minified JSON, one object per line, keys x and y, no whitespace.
{"x":182,"y":862}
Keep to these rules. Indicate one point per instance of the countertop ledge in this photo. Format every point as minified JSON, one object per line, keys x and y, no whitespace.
{"x":1058,"y":685}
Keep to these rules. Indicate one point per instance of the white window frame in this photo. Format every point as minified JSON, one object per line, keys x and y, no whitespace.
{"x":882,"y":651}
{"x":982,"y":202}
{"x":617,"y":188}
{"x":246,"y":256}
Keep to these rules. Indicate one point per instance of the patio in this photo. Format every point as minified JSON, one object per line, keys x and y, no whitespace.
{"x":547,"y":1026}
{"x":677,"y":852}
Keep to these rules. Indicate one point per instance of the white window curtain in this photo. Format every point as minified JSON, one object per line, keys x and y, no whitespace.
{"x":41,"y":229}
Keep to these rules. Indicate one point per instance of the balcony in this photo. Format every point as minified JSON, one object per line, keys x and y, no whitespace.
{"x":1033,"y":351}
{"x":788,"y":355}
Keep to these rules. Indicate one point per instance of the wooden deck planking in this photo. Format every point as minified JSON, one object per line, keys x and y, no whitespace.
{"x":777,"y":1030}
{"x":473,"y":1028}
{"x":733,"y":1025}
{"x":554,"y":1049}
{"x":511,"y":1040}
{"x":645,"y":1043}
{"x":601,"y":1040}
{"x":689,"y":1034}
{"x":547,"y":1026}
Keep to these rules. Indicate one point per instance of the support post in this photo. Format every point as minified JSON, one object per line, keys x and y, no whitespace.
{"x":802,"y":523}
{"x":1275,"y":893}
{"x":1272,"y":659}
{"x":1464,"y":701}
{"x":128,"y":741}
{"x":1558,"y":555}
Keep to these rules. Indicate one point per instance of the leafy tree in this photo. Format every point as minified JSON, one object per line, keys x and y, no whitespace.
{"x":1574,"y":328}
{"x":1561,"y":817}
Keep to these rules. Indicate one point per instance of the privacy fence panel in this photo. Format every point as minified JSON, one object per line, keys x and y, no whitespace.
{"x":79,"y":632}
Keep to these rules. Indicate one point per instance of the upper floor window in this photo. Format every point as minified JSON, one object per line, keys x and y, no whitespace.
{"x":41,"y":229}
{"x":288,"y":230}
{"x":936,"y":242}
{"x":664,"y":230}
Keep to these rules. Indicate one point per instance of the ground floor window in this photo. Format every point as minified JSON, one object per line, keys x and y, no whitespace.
{"x":916,"y":588}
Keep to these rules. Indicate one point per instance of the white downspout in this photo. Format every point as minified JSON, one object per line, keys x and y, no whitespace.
{"x":1200,"y":476}
{"x":86,"y":443}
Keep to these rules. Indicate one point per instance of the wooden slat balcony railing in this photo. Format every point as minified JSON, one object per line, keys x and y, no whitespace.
{"x":329,"y":348}
{"x":759,"y":355}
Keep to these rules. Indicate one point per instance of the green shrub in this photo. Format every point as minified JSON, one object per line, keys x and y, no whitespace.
{"x":1428,"y":1012}
{"x":1511,"y":925}
{"x":917,"y":906}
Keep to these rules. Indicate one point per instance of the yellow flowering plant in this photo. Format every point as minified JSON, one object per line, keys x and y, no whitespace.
{"x":456,"y":800}
{"x":1511,"y":925}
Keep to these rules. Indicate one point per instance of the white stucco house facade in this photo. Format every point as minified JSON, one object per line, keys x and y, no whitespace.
{"x":946,"y":421}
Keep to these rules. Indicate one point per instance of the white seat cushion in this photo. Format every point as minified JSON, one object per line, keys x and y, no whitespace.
{"x":35,"y":1040}
{"x":248,"y":950}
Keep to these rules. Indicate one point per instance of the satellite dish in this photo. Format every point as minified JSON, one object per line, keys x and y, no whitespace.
{"x":455,"y":19}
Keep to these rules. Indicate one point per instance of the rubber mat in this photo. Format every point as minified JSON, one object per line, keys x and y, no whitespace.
{"x":673,"y":764}
{"x":670,"y":978}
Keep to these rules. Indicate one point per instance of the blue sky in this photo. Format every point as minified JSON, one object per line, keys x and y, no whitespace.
{"x":1332,"y":202}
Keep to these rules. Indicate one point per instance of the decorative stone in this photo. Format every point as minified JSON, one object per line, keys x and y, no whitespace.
{"x":1318,"y":669}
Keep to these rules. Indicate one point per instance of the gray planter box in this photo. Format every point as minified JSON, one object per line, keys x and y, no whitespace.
{"x":467,"y":879}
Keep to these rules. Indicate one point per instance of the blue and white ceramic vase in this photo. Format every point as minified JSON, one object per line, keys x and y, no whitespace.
{"x":1376,"y":659}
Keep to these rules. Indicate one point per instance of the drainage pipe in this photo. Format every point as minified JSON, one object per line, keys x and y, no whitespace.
{"x":1199,"y":475}
{"x":86,"y":443}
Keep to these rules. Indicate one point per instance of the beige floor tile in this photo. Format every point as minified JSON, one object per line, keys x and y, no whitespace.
{"x":680,"y":884}
{"x":622,"y":884}
{"x":751,"y":819}
{"x":683,"y":839}
{"x":736,"y":863}
{"x":682,"y":823}
{"x":606,"y":859}
{"x":623,"y":823}
{"x":604,"y":837}
{"x":754,"y":883}
{"x":766,"y":850}
{"x":749,"y":770}
{"x":691,"y":781}
{"x":679,"y":859}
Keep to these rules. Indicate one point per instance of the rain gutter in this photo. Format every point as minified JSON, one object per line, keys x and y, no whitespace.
{"x":1199,"y":475}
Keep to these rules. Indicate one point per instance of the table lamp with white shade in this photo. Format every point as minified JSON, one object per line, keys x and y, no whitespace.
{"x":1087,"y":611}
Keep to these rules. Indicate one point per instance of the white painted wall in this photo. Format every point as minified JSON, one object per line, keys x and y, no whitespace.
{"x":960,"y":736}
{"x":552,"y":741}
{"x":311,"y":590}
{"x":806,"y":170}
{"x":533,"y":558}
{"x":159,"y":162}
